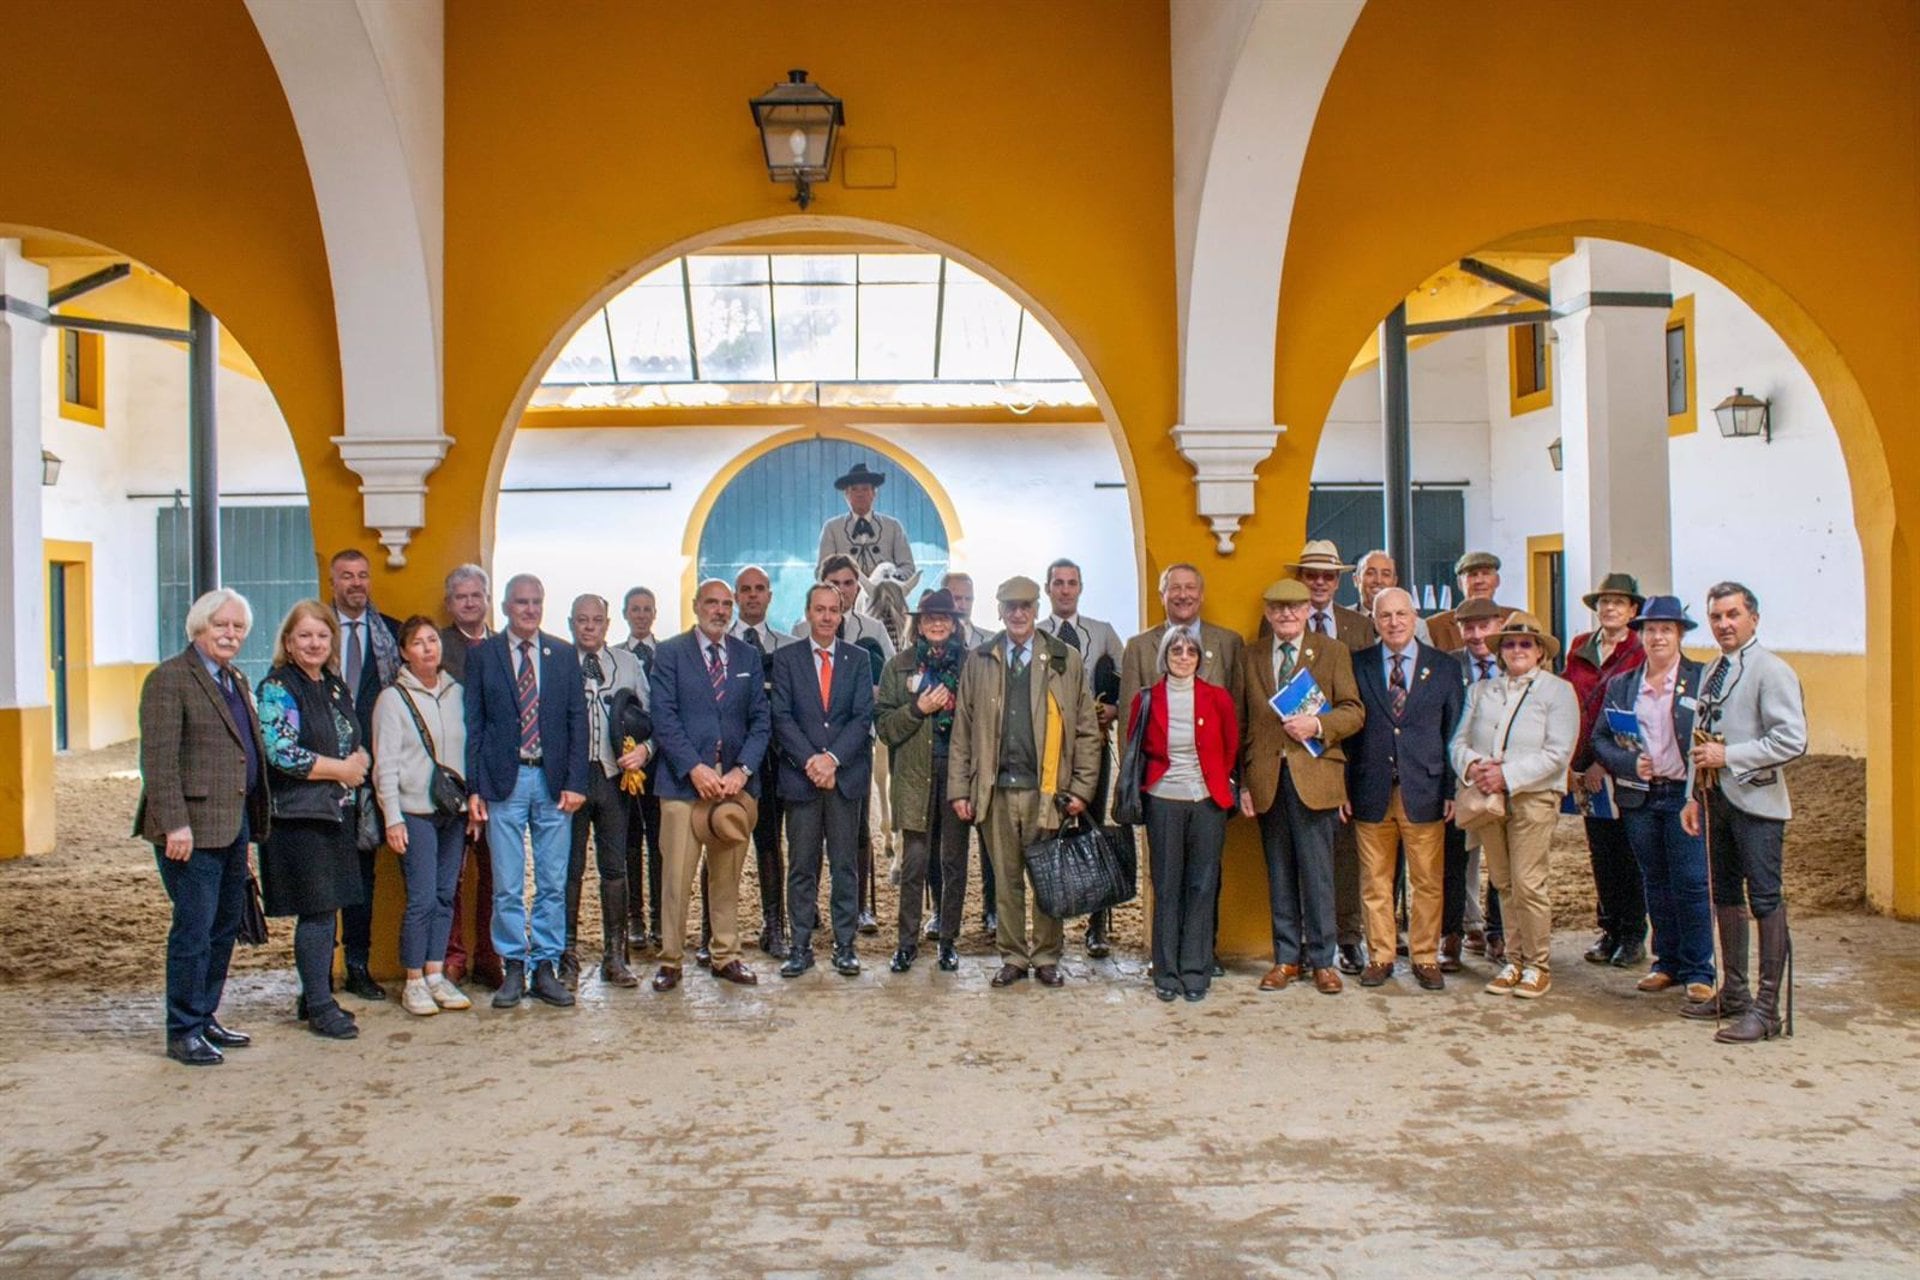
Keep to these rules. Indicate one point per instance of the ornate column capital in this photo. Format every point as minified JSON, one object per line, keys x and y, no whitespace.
{"x":1224,"y":458}
{"x":393,"y":471}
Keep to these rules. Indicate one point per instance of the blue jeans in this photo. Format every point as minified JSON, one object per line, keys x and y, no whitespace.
{"x":436,"y":848}
{"x":1673,"y":869}
{"x":209,"y":892}
{"x":531,"y":811}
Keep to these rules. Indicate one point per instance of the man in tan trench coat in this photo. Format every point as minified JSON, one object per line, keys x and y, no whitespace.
{"x":1025,"y":752}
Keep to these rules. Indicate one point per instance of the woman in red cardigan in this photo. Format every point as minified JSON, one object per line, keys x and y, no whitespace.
{"x":1192,"y":741}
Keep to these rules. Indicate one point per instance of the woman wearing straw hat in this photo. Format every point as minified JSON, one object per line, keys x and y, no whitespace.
{"x":1653,"y":776}
{"x":1611,"y":649}
{"x":1515,"y":742}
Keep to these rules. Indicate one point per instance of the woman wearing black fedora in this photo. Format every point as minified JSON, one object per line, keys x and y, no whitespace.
{"x":1653,"y":776}
{"x":1608,"y":651}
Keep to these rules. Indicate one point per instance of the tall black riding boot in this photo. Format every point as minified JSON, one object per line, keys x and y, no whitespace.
{"x":570,"y":958}
{"x":1761,"y":1021}
{"x":613,"y":935}
{"x":1733,"y":997}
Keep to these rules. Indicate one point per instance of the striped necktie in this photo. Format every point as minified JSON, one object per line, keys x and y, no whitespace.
{"x":1397,"y":684}
{"x":526,"y":692}
{"x":716,"y":670}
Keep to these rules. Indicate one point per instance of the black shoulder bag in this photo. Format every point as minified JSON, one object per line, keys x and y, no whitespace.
{"x":445,"y":788}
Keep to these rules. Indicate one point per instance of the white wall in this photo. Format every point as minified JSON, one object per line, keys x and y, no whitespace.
{"x":143,"y":449}
{"x":1023,"y":496}
{"x":1795,"y":546}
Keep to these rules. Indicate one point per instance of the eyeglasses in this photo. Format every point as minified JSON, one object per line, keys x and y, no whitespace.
{"x":1517,"y":644}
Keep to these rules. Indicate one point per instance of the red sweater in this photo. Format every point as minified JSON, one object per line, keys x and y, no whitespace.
{"x":1589,"y":678}
{"x":1216,"y":736}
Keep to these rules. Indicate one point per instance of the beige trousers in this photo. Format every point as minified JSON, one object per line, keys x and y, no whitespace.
{"x":1380,"y":844}
{"x":679,"y":859}
{"x":1516,"y":856}
{"x":1013,"y":823}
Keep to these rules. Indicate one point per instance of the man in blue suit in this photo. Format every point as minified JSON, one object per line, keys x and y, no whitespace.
{"x":823,"y":727}
{"x":710,"y":733}
{"x":1400,"y":784}
{"x":527,"y":773}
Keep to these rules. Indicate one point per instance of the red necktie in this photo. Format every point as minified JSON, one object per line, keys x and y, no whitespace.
{"x":826,"y":677}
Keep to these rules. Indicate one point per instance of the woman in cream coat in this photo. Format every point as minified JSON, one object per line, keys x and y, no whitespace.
{"x":1516,"y":740}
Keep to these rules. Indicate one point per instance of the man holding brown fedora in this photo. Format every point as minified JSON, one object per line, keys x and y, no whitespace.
{"x":711,"y":727}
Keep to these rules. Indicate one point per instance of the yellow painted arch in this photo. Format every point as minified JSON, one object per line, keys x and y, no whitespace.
{"x":703,"y":507}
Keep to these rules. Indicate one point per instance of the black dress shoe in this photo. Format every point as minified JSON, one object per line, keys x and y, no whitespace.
{"x":798,"y":962}
{"x":548,"y":988}
{"x":1352,"y":959}
{"x":845,"y":963}
{"x":334,"y":1023}
{"x":1216,"y":969}
{"x":360,"y":983}
{"x":513,"y":985}
{"x":868,"y":923}
{"x":1049,"y":975}
{"x":990,"y":924}
{"x":1195,"y":997}
{"x":1010,"y":974}
{"x":903,"y":959}
{"x":704,"y":956}
{"x":225,"y":1038}
{"x":949,"y":958}
{"x":570,"y":969}
{"x":1601,"y":952}
{"x":1628,"y":957}
{"x":1168,"y":994}
{"x":194,"y":1051}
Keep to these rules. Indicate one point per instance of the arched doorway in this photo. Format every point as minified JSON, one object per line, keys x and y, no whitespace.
{"x":770,"y":510}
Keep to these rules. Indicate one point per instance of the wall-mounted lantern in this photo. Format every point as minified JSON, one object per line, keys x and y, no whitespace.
{"x":1556,"y":455}
{"x":49,"y":467}
{"x":1743,"y":415}
{"x":798,"y":125}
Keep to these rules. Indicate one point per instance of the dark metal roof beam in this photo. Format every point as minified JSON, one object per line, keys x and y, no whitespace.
{"x":1505,"y":279}
{"x":88,"y":283}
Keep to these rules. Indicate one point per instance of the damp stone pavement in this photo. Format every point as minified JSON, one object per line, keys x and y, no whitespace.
{"x":925,"y":1125}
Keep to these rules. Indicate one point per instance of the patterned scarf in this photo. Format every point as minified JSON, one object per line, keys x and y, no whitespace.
{"x":940,"y":665}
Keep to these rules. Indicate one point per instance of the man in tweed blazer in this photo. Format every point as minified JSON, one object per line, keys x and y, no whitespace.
{"x":203,"y":798}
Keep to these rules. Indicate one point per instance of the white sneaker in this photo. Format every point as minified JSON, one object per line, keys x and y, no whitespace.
{"x":445,"y":994}
{"x":416,"y":999}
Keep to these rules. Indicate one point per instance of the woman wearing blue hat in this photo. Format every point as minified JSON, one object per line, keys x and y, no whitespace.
{"x":1643,"y":737}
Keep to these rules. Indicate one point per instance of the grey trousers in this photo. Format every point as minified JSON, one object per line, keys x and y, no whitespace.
{"x":828,"y":822}
{"x":1298,"y":842}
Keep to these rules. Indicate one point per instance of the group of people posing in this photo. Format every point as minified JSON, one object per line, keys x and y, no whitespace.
{"x":1386,"y":758}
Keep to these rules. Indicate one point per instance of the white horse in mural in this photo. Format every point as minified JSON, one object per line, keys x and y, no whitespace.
{"x":886,"y":590}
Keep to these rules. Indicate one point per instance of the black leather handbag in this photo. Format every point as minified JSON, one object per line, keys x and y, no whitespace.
{"x":1081,"y":869}
{"x":1129,"y":805}
{"x":253,"y":915}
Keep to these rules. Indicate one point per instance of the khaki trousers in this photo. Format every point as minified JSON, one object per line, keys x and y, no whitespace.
{"x":1380,"y":844}
{"x":680,"y":857}
{"x":1013,"y":823}
{"x":1516,"y":855}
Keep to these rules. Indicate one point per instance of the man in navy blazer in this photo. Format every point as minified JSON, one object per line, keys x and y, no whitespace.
{"x":526,"y":774}
{"x":710,"y":735}
{"x":823,"y":728}
{"x":1400,"y":784}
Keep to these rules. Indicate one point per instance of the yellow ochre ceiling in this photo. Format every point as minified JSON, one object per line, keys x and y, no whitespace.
{"x":1452,"y":294}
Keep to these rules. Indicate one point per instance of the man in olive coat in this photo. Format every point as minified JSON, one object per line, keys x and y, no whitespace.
{"x":1025,"y":752}
{"x":1296,"y":794}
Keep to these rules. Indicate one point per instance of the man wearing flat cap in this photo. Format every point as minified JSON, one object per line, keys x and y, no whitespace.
{"x":1478,"y":575}
{"x":863,"y":534}
{"x":1319,"y":568}
{"x":1295,"y":793}
{"x":1024,"y":753}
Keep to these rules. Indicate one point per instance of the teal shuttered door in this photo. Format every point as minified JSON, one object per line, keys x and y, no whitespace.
{"x":266,"y":554}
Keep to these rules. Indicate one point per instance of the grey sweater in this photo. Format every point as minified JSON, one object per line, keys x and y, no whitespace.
{"x":401,"y":770}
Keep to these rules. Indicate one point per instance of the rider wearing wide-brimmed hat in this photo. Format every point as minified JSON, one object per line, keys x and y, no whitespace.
{"x":870,"y":538}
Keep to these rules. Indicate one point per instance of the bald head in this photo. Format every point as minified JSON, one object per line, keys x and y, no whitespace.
{"x":1393,"y":617}
{"x":752,"y":594}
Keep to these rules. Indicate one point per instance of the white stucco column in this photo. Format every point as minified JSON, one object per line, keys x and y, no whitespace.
{"x":23,"y":643}
{"x":26,"y":719}
{"x":1611,"y":302}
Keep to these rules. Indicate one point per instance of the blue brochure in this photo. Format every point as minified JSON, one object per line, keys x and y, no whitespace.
{"x":1624,"y":725}
{"x":1301,"y":695}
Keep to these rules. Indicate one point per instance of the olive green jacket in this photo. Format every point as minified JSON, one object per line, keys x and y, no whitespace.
{"x":909,"y":739}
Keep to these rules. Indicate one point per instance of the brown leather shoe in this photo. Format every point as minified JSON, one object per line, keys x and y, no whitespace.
{"x":1279,"y":976}
{"x":1450,"y":953}
{"x":1656,"y":982}
{"x":734,"y":971}
{"x":1496,"y":947}
{"x":1429,"y":977}
{"x":1009,"y":974}
{"x":1375,"y":974}
{"x":1327,"y":982}
{"x":1476,"y":941}
{"x":667,"y":978}
{"x":1049,"y":975}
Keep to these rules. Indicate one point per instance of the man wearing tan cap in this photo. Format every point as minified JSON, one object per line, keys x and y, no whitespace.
{"x":1295,"y":794}
{"x":1025,"y":751}
{"x":1319,"y":567}
{"x":1478,"y":573}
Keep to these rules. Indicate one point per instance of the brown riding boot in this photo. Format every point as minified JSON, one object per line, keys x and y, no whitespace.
{"x":1761,"y":1021}
{"x":1733,"y":997}
{"x":613,"y":935}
